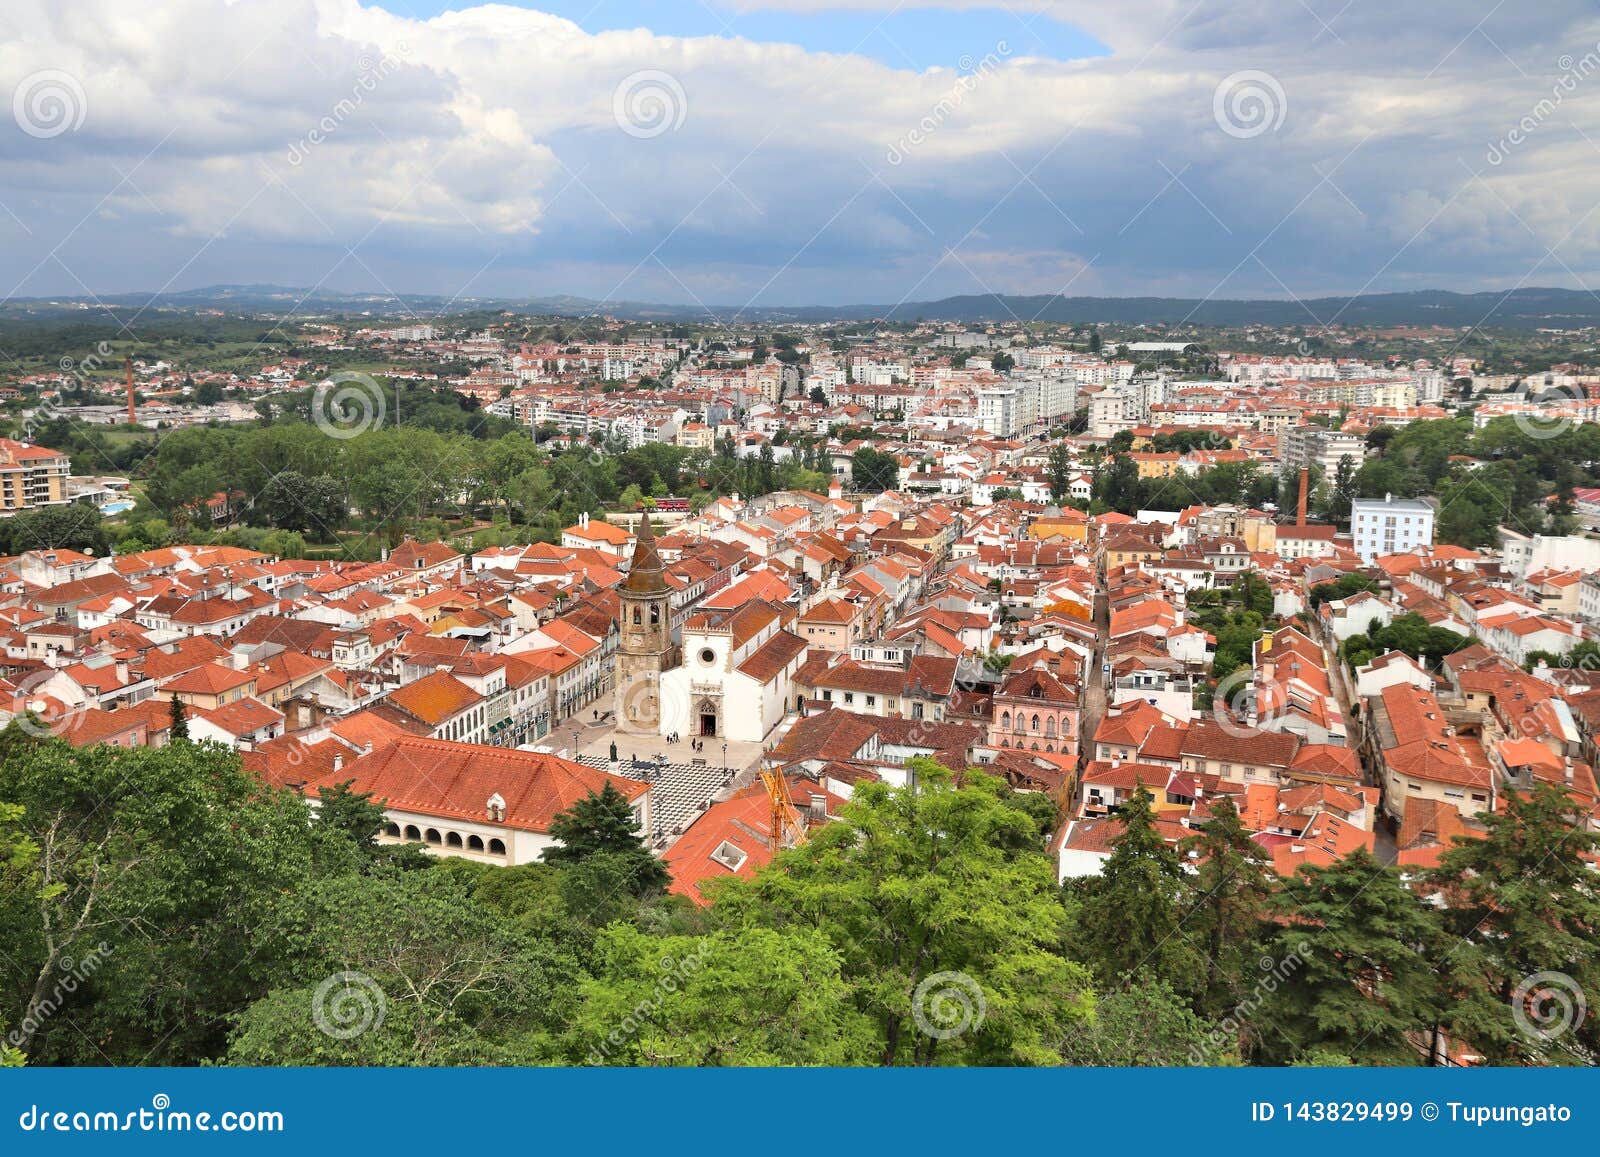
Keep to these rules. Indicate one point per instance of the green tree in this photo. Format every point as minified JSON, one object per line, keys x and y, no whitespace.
{"x":1410,"y":633}
{"x":603,"y":824}
{"x":1058,"y":468}
{"x":169,"y":868}
{"x":1463,"y":520}
{"x":20,"y":883}
{"x":1343,"y":492}
{"x":1342,"y":588}
{"x":1585,"y":656}
{"x":1524,"y":895}
{"x":294,"y":501}
{"x":1130,"y":924}
{"x":1228,"y":899}
{"x":944,"y":911}
{"x":388,"y":494}
{"x":411,"y":969}
{"x":352,"y":815}
{"x":75,"y":526}
{"x":873,"y":470}
{"x":749,"y":996}
{"x":178,"y":720}
{"x":1116,"y":484}
{"x":1351,"y":967}
{"x":1146,"y":1024}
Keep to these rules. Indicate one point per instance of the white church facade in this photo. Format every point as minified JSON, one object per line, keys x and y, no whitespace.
{"x":736,"y":677}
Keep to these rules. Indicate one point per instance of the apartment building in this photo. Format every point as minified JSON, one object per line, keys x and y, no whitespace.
{"x":1321,"y":447}
{"x":1390,"y":525}
{"x":31,"y":476}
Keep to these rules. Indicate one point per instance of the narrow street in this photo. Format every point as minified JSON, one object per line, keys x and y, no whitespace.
{"x":1092,"y":703}
{"x":1385,"y":849}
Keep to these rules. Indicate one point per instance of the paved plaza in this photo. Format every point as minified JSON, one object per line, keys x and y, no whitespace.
{"x":683,"y":781}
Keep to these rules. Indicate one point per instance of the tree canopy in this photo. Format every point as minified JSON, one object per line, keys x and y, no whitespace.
{"x":162,"y":906}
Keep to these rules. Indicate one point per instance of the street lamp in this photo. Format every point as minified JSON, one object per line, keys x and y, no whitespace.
{"x":724,"y":761}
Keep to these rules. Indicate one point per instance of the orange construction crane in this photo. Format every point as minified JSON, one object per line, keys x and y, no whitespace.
{"x":788,"y":829}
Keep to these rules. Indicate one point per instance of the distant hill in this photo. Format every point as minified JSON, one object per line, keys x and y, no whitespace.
{"x":1520,"y":309}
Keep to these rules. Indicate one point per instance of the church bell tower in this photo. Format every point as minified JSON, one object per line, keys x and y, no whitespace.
{"x":644,"y":650}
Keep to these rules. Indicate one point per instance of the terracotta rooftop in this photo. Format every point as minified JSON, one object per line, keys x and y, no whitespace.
{"x":455,"y":781}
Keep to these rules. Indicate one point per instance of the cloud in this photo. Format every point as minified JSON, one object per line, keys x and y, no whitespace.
{"x":322,"y":142}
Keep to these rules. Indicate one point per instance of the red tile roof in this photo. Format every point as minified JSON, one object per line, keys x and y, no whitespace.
{"x":435,"y":777}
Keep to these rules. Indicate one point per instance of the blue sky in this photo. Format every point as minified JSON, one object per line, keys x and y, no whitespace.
{"x":910,"y":36}
{"x":1247,"y":148}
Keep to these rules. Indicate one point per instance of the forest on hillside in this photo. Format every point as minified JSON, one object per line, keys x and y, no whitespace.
{"x":162,"y":907}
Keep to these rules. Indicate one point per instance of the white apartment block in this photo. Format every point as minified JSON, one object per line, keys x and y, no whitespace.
{"x":1110,"y":411}
{"x":1321,"y":447}
{"x":1522,"y":554}
{"x":1056,"y":390}
{"x":1390,"y":525}
{"x":1589,"y":598}
{"x":1098,"y":373}
{"x":1007,"y":410}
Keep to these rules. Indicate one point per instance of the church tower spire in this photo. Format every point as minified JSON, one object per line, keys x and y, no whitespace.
{"x":645,"y":574}
{"x":644,"y":650}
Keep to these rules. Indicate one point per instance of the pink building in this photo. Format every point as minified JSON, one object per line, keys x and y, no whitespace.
{"x":1035,"y":711}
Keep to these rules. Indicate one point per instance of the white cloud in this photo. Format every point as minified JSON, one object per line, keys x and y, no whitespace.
{"x":490,"y":135}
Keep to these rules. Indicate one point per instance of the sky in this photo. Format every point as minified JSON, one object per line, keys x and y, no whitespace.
{"x":791,"y":152}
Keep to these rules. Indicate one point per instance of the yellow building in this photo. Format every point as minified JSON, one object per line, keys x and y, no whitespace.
{"x":31,"y":476}
{"x":1156,"y":465}
{"x":1071,"y":525}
